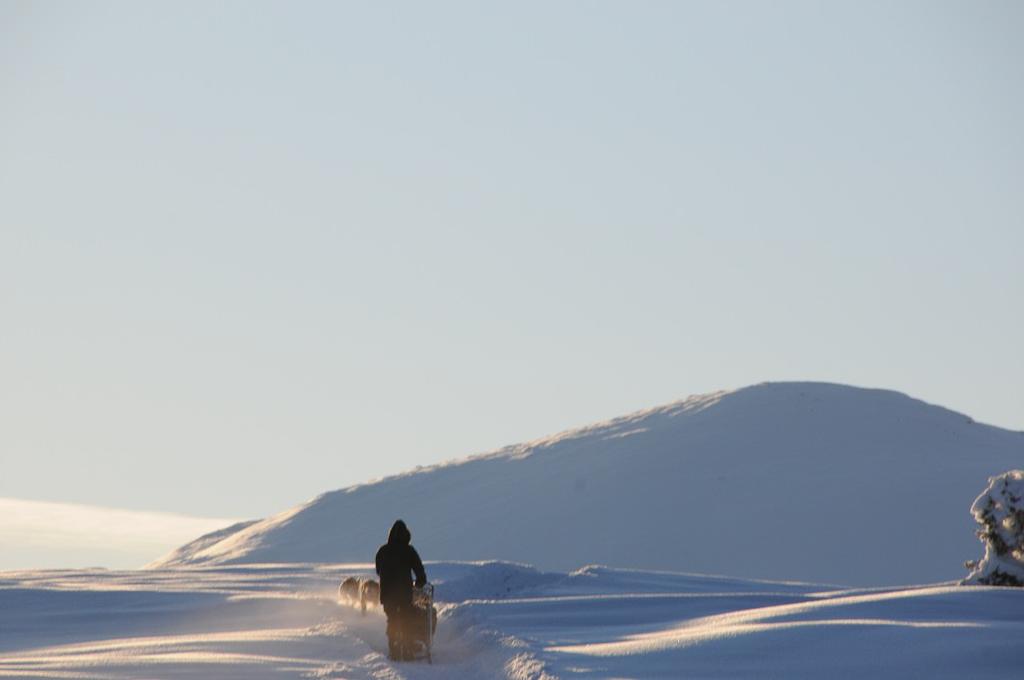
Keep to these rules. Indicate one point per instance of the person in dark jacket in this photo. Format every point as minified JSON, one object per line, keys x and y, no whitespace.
{"x":397,"y":562}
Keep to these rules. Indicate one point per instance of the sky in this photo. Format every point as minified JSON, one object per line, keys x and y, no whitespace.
{"x":251,"y":252}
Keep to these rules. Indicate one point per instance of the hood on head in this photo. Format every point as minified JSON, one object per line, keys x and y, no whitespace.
{"x":399,"y":533}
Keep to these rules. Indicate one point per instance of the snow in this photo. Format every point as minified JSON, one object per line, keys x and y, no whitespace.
{"x":808,"y":481}
{"x":39,"y":534}
{"x":1000,"y":512}
{"x":778,"y":488}
{"x":498,"y":620}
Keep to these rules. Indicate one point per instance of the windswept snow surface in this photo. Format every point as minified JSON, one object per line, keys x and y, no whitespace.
{"x":811,"y":481}
{"x":498,"y":620}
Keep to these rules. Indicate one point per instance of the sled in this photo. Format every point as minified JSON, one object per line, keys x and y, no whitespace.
{"x":423,"y":623}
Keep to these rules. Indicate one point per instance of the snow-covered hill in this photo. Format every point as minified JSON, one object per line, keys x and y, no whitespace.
{"x":808,"y":481}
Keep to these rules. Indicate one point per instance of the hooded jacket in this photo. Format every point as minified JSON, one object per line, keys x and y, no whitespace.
{"x":397,"y":561}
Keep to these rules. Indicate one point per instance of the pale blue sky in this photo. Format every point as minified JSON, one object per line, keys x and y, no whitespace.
{"x":250,"y":252}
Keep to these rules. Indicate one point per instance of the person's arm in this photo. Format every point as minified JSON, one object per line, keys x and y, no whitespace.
{"x":417,"y":567}
{"x":377,"y":561}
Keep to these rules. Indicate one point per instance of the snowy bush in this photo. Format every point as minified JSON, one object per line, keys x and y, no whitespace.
{"x":1000,"y":512}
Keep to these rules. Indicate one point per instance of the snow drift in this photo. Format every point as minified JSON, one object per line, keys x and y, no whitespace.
{"x":498,"y":621}
{"x":809,"y":481}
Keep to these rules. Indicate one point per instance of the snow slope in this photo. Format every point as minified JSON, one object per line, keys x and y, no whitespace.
{"x":809,"y":481}
{"x":498,"y":620}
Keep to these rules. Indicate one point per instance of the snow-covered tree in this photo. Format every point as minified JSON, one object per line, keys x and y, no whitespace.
{"x":1000,"y":512}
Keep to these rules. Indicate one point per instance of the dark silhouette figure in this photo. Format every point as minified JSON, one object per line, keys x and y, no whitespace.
{"x":397,"y":561}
